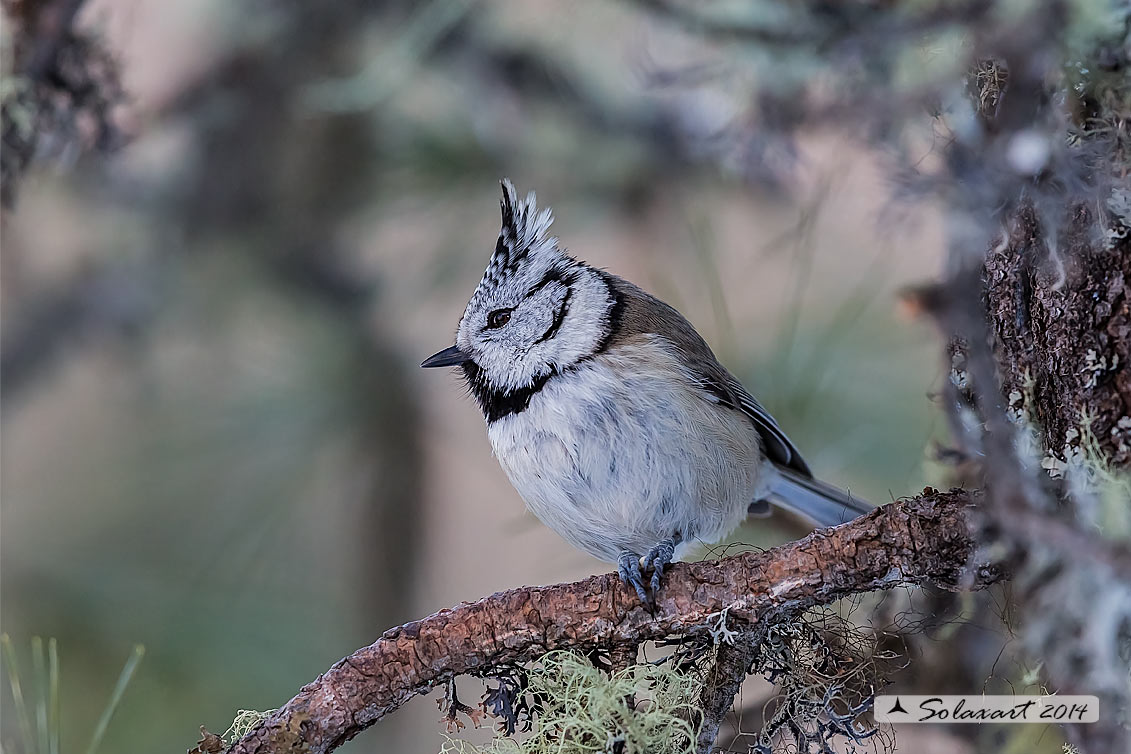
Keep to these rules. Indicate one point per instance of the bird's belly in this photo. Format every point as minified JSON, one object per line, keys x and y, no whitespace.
{"x":615,"y":463}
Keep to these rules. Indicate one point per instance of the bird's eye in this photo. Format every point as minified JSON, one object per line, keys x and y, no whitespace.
{"x":498,"y":318}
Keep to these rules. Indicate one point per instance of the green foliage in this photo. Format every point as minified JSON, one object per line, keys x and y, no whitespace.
{"x":584,"y":710}
{"x":44,"y":739}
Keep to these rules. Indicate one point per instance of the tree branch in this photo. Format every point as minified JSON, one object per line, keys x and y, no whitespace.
{"x":925,"y":539}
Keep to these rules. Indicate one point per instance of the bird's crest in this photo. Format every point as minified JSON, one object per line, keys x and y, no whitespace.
{"x":524,"y":232}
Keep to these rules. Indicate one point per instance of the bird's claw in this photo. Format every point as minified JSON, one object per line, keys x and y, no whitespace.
{"x":657,"y":559}
{"x":631,"y":569}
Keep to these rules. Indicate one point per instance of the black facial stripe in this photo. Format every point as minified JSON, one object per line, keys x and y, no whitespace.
{"x":616,"y":313}
{"x":495,"y":403}
{"x":559,"y":317}
{"x":552,"y":275}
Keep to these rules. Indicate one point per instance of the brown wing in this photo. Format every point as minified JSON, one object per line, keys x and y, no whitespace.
{"x":642,"y":313}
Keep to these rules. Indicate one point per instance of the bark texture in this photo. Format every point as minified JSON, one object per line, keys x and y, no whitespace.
{"x":925,"y":539}
{"x":1060,"y":312}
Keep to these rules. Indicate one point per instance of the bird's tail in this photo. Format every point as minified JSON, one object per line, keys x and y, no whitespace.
{"x":815,"y":500}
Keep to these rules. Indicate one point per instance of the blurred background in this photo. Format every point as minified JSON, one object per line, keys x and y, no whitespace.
{"x":217,"y":441}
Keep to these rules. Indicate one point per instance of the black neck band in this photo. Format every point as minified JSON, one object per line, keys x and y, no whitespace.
{"x":495,"y":403}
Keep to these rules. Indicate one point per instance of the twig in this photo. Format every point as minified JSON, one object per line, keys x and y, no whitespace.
{"x":731,"y":666}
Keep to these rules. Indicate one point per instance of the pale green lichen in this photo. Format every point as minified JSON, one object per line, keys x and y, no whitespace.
{"x":245,"y":720}
{"x":1100,"y":491}
{"x":584,"y":711}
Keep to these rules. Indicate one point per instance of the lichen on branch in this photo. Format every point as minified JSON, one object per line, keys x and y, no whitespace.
{"x":921,"y":540}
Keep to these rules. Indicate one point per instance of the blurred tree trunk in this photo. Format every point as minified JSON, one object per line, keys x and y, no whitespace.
{"x":1060,"y":316}
{"x":280,"y":180}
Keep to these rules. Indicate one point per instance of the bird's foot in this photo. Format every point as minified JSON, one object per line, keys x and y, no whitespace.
{"x":628,"y":566}
{"x":631,"y":568}
{"x":657,"y":559}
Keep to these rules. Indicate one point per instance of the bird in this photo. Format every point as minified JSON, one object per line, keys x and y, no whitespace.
{"x":610,"y":414}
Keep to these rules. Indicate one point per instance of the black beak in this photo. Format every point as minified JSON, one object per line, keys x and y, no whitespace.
{"x":449,"y":357}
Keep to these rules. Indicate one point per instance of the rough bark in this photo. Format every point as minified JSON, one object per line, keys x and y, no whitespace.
{"x":1060,"y":311}
{"x":925,"y":539}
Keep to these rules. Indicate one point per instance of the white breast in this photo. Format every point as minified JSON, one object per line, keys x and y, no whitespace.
{"x":622,"y":451}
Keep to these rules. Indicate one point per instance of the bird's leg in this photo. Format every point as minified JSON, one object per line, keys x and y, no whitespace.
{"x":628,"y":566}
{"x":658,"y":557}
